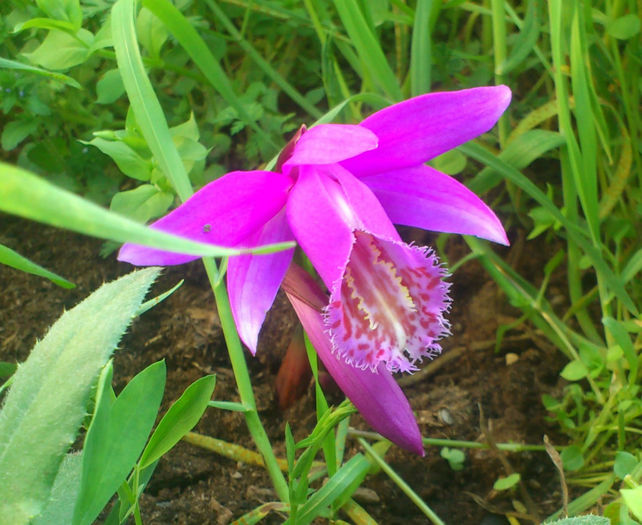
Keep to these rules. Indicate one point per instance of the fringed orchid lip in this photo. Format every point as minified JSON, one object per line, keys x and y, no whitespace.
{"x":389,"y":306}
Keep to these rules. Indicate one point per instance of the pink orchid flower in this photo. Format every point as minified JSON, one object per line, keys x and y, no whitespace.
{"x":339,"y":190}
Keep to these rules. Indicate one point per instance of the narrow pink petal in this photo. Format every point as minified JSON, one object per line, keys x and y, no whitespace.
{"x":428,"y":199}
{"x":325,"y":207}
{"x":224,"y":213}
{"x":330,"y":143}
{"x":424,"y":127}
{"x":376,"y":395}
{"x":254,"y":280}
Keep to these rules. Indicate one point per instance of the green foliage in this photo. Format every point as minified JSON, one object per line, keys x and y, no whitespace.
{"x":43,"y":409}
{"x":136,"y":104}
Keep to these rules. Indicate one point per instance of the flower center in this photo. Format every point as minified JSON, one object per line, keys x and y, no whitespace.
{"x":388,"y":306}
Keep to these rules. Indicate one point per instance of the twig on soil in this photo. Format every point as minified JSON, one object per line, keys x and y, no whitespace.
{"x":454,"y":353}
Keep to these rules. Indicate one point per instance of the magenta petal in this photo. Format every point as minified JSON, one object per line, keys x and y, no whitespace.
{"x":326,"y":206}
{"x":428,"y":199}
{"x":254,"y":280}
{"x":223,"y":213}
{"x":424,"y":127}
{"x":330,"y":143}
{"x":377,"y":396}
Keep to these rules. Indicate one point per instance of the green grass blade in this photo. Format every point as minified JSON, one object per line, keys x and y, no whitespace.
{"x":179,"y":419}
{"x":197,"y":49}
{"x":421,"y":47}
{"x":407,"y":490}
{"x":353,"y":470}
{"x":574,"y":232}
{"x":12,"y":64}
{"x":368,"y":48}
{"x":263,"y":64}
{"x":147,"y":109}
{"x":15,"y":260}
{"x":44,"y":409}
{"x":26,"y":195}
{"x":115,"y":439}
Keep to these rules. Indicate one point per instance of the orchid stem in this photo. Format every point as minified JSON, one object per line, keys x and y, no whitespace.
{"x":243,"y":383}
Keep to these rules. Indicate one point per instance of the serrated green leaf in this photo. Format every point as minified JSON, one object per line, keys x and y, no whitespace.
{"x":588,"y":519}
{"x":44,"y":409}
{"x":60,"y":505}
{"x":181,"y":417}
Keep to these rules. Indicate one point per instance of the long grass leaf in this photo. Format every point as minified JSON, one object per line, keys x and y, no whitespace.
{"x":574,"y":232}
{"x":27,"y":195}
{"x":368,"y":48}
{"x":15,"y":260}
{"x":147,"y":109}
{"x":197,"y":49}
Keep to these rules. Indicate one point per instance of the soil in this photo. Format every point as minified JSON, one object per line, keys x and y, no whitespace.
{"x":477,"y":394}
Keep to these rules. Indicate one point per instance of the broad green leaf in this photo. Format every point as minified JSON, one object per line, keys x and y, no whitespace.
{"x":181,"y":417}
{"x":625,"y":27}
{"x":26,"y":195}
{"x":127,"y":160}
{"x":110,"y":87}
{"x":15,"y":260}
{"x":44,"y":408}
{"x":68,"y":10}
{"x":624,"y":463}
{"x":60,"y":505}
{"x":633,"y":500}
{"x":572,"y":458}
{"x":12,"y":64}
{"x":507,"y":482}
{"x":116,"y":438}
{"x":16,"y":131}
{"x":60,"y":51}
{"x":574,"y":371}
{"x":151,"y":32}
{"x":143,"y":203}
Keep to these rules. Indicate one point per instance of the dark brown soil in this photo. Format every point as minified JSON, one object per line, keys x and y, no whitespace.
{"x":501,"y":391}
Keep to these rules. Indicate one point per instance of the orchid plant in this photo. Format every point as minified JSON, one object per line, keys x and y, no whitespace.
{"x":337,"y":190}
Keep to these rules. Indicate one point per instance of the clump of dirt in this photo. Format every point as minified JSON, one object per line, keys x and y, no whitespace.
{"x":470,"y":393}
